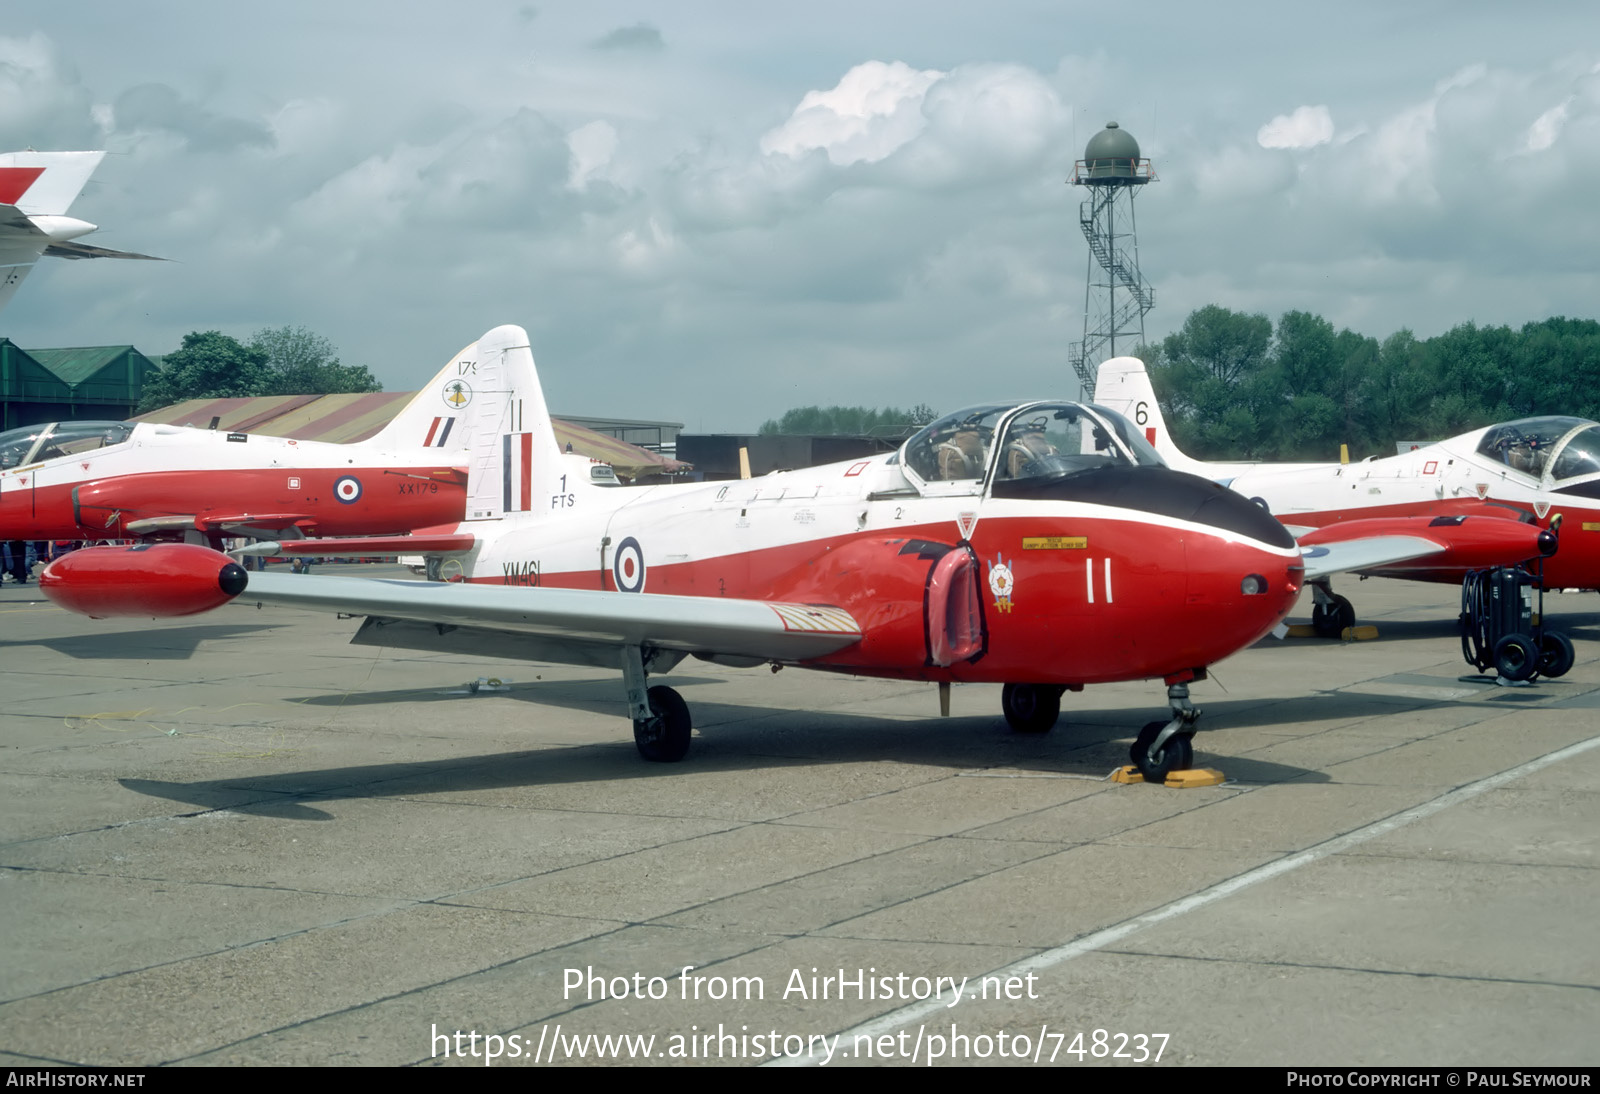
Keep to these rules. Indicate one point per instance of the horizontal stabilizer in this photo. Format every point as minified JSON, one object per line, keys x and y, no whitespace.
{"x":364,"y":546}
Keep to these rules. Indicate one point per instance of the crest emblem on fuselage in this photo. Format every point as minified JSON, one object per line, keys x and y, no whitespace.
{"x":1001,"y":583}
{"x":457,"y":394}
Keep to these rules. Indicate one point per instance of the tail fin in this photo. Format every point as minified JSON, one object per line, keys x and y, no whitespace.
{"x":515,"y":463}
{"x":433,"y":417}
{"x":1123,"y":385}
{"x":45,"y":183}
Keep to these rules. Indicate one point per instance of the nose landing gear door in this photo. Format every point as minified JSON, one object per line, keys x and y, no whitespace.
{"x":953,"y":609}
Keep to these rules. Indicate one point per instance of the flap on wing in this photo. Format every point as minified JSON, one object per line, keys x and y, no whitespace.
{"x":692,"y":624}
{"x":222,"y":522}
{"x":1364,"y":554}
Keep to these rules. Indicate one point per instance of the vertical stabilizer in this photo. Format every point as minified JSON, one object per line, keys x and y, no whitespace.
{"x":514,"y":463}
{"x":1123,"y":385}
{"x":433,"y":417}
{"x":45,"y":183}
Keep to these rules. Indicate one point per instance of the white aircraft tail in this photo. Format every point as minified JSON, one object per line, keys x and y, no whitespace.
{"x":45,"y":183}
{"x":434,"y":416}
{"x":1123,"y":385}
{"x":514,"y":462}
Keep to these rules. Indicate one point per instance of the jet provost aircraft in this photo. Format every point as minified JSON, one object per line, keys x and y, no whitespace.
{"x":1491,"y":497}
{"x":140,"y":480}
{"x":1043,"y":546}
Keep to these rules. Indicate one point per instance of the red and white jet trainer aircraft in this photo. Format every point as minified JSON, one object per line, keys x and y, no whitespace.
{"x":1491,"y":497}
{"x":1043,"y":546}
{"x":36,"y":188}
{"x":124,"y":480}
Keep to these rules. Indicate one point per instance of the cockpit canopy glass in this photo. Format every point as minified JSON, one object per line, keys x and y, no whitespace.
{"x":1034,"y":440}
{"x":1555,"y":446}
{"x":31,"y":444}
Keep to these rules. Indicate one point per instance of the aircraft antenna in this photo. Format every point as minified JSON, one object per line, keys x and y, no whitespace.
{"x":1116,"y":296}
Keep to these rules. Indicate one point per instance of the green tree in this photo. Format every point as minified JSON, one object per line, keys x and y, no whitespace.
{"x":305,"y":363}
{"x":849,"y":421}
{"x":209,"y":365}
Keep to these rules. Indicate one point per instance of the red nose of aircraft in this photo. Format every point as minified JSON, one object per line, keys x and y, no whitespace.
{"x":153,"y":581}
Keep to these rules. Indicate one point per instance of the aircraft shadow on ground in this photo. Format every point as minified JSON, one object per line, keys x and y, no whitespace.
{"x":159,"y":644}
{"x":732,"y":739}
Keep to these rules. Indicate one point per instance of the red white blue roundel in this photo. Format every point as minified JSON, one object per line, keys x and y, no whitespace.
{"x":347,"y":488}
{"x":628,"y":566}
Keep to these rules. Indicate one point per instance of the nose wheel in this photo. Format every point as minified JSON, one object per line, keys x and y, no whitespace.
{"x":1164,"y":747}
{"x":1330,"y":612}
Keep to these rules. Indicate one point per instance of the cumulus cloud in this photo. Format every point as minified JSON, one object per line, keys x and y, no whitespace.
{"x":1547,"y":127}
{"x":42,"y":102}
{"x":1307,"y":127}
{"x":157,"y":107}
{"x":641,"y":37}
{"x":874,"y":109}
{"x":592,"y":147}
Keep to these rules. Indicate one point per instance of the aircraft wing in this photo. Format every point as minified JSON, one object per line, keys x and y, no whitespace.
{"x":574,"y":626}
{"x":1323,"y":559}
{"x":70,"y":249}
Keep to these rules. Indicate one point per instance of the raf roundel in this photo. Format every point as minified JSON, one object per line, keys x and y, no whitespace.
{"x":628,"y":568}
{"x":347,"y":488}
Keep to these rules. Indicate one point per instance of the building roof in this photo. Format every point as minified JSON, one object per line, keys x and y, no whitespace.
{"x":345,"y":419}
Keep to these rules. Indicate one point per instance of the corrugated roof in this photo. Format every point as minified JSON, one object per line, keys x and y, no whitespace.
{"x":345,"y":419}
{"x":75,"y":364}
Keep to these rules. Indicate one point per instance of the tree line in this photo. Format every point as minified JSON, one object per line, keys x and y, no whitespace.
{"x":849,"y":421}
{"x":276,"y":361}
{"x":1233,"y":386}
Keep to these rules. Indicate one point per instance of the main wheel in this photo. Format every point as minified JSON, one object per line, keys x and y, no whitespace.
{"x":1515,"y":657}
{"x":1329,"y":620}
{"x":665,"y":738}
{"x":1556,"y":654}
{"x":1176,"y":755}
{"x":1031,"y":708}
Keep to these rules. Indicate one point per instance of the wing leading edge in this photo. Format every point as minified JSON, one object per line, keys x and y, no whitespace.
{"x":563,"y":625}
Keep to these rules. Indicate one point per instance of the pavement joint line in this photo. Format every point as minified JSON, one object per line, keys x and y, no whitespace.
{"x":1099,"y":940}
{"x":1363,"y":969}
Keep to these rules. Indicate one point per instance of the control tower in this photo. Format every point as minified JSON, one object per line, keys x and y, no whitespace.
{"x":1115,"y":297}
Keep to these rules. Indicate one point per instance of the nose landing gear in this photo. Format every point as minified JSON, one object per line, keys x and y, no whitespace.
{"x":1164,"y":747}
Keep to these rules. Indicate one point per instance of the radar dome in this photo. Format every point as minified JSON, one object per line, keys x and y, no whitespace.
{"x":1111,"y":153}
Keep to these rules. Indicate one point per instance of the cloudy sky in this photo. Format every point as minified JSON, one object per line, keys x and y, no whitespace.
{"x":713,"y":211}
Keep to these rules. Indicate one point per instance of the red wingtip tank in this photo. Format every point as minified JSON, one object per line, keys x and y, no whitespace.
{"x":157,"y":580}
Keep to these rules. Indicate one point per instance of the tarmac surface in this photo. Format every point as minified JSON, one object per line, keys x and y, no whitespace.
{"x":235,"y":839}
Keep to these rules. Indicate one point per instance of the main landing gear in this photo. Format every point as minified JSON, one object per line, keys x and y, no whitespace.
{"x":1031,"y":708}
{"x":1330,"y":613}
{"x":661,"y":724}
{"x":1164,"y":747}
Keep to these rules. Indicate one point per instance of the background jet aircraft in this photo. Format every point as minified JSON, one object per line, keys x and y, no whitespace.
{"x":1485,"y":496}
{"x":1043,"y":546}
{"x":36,"y":189}
{"x":116,"y":480}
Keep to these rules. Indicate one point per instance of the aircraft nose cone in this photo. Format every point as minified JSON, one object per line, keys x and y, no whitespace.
{"x":232,"y":579}
{"x":1548,"y":544}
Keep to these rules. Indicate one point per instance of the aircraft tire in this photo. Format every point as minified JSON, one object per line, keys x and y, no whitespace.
{"x":1176,"y":755}
{"x":1515,"y":657}
{"x":665,"y":738}
{"x":1031,"y":708}
{"x":1330,"y":621}
{"x":1556,"y":655}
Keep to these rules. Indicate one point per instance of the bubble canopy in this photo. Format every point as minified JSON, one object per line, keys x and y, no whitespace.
{"x":1008,"y":442}
{"x":1555,"y":448}
{"x":31,"y":444}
